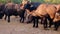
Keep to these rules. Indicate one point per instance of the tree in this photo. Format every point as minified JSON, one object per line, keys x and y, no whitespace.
{"x":16,"y":1}
{"x":52,"y":1}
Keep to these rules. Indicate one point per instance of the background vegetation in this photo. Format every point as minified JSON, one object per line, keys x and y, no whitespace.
{"x":42,"y":1}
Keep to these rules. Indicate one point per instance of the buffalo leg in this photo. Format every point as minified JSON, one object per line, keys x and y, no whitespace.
{"x":56,"y":25}
{"x":36,"y":22}
{"x":41,"y":20}
{"x":33,"y":21}
{"x":50,"y":23}
{"x":5,"y":17}
{"x":23,"y":20}
{"x":8,"y":18}
{"x":20,"y":19}
{"x":45,"y":22}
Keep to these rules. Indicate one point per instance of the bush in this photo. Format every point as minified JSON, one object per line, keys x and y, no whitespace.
{"x":41,"y":1}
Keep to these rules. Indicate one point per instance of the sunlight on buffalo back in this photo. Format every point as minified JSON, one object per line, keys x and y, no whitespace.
{"x":51,"y":10}
{"x":41,"y":10}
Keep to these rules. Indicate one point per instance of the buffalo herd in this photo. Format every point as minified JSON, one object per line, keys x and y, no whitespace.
{"x":49,"y":14}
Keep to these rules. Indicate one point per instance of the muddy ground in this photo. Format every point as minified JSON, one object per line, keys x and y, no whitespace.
{"x":15,"y":27}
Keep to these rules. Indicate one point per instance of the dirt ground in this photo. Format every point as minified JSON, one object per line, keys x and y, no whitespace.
{"x":15,"y":27}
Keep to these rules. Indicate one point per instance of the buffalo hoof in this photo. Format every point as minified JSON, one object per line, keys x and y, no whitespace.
{"x":49,"y":26}
{"x":0,"y":18}
{"x":33,"y":26}
{"x":8,"y":21}
{"x":27,"y":22}
{"x":22,"y":21}
{"x":55,"y":29}
{"x":36,"y":26}
{"x":45,"y":27}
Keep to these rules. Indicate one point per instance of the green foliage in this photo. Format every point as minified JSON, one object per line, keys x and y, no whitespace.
{"x":41,"y":1}
{"x":3,"y":1}
{"x":52,"y":1}
{"x":16,"y":1}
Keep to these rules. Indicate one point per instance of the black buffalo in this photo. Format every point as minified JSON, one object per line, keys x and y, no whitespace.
{"x":30,"y":7}
{"x":13,"y":9}
{"x":1,"y":10}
